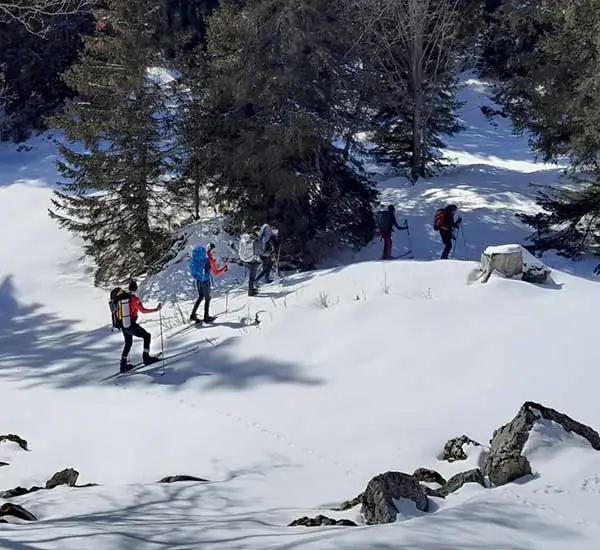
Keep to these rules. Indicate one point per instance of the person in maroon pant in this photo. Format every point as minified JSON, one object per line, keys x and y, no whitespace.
{"x":386,"y":223}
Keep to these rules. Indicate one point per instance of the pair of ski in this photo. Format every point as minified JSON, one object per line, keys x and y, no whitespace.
{"x":166,"y":360}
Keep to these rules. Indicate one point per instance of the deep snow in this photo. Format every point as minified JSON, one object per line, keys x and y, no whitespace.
{"x":355,"y":369}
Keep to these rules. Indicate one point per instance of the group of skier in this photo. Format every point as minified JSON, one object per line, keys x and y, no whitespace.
{"x":443,"y":222}
{"x":256,"y":248}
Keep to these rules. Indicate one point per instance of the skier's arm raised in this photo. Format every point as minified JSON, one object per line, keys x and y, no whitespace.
{"x":137,"y":303}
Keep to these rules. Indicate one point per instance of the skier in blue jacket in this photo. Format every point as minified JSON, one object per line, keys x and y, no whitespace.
{"x":202,"y":266}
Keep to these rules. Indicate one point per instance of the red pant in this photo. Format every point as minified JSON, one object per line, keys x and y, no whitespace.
{"x":387,"y":245}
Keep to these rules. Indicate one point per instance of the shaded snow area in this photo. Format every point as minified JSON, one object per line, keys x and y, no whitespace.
{"x":357,"y":369}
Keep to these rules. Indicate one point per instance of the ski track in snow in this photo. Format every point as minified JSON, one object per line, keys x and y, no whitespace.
{"x":355,"y":369}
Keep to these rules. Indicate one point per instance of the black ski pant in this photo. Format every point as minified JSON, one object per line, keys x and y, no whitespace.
{"x":267,"y":266}
{"x":203,"y":294}
{"x":137,"y":331}
{"x":252,"y":269}
{"x":446,"y":235}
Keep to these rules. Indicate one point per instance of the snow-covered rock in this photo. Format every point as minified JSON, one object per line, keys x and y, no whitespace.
{"x":511,"y":260}
{"x":379,"y":499}
{"x":505,"y":461}
{"x":454,"y":449}
{"x":458,"y":480}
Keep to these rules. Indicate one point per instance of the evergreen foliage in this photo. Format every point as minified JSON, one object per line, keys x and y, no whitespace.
{"x":113,"y":193}
{"x":544,"y":59}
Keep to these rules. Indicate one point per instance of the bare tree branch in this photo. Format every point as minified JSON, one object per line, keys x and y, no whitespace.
{"x":35,"y":14}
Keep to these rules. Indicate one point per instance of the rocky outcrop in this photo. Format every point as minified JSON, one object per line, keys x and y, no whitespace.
{"x":432,"y":492}
{"x":9,"y":509}
{"x":378,"y":499}
{"x":457,"y":481}
{"x":15,"y":439}
{"x":18,"y":492}
{"x":321,"y":520}
{"x":429,"y":476}
{"x":3,"y":464}
{"x":176,"y":479}
{"x":348,"y":504}
{"x":453,"y":450}
{"x":505,"y":463}
{"x":67,"y":477}
{"x":504,"y":468}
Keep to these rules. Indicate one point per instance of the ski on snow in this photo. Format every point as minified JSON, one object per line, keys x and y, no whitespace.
{"x":190,"y":327}
{"x":139,"y":366}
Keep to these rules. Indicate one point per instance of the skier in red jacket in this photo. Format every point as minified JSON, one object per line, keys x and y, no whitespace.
{"x":135,"y":308}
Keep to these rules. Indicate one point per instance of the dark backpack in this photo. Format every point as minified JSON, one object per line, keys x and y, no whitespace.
{"x":117,"y":297}
{"x":438,"y":221}
{"x":384,"y":221}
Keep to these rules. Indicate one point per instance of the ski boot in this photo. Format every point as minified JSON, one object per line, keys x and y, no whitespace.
{"x":125,"y":366}
{"x":209,"y":319}
{"x":149,"y":359}
{"x":194,"y":319}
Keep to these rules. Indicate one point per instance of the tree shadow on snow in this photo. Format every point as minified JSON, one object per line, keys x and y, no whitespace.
{"x":215,"y":364}
{"x":39,"y":348}
{"x":189,"y":516}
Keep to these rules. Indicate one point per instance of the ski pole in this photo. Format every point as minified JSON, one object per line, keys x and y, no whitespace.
{"x":409,"y":237}
{"x":162,"y":343}
{"x":278,"y":256}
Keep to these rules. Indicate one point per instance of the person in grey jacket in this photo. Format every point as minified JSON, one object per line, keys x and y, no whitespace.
{"x":250,"y":250}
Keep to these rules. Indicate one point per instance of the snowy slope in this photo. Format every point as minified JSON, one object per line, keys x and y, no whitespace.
{"x":354,"y":370}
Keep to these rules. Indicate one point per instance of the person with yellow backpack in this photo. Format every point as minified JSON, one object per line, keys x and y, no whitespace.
{"x":125,"y":307}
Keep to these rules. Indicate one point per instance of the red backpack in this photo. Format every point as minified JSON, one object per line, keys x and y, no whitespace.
{"x":438,"y":221}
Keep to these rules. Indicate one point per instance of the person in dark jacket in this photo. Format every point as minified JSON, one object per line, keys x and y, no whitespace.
{"x":268,"y":238}
{"x":447,"y":227}
{"x":386,"y":223}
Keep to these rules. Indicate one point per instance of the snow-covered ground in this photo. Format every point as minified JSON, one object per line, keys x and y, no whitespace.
{"x":356,"y":369}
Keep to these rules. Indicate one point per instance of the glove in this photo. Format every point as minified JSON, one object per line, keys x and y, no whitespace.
{"x":159,"y":307}
{"x":226,"y":268}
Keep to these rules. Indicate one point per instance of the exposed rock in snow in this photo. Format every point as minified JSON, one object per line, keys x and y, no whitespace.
{"x":347,"y":504}
{"x":15,"y":439}
{"x":429,"y":476}
{"x":321,"y":520}
{"x":511,"y":260}
{"x":175,"y":479}
{"x":9,"y":509}
{"x":505,"y":462}
{"x":457,"y":481}
{"x":3,"y":464}
{"x":453,"y":450}
{"x":64,"y":477}
{"x":18,"y":492}
{"x":378,"y":504}
{"x":504,"y":468}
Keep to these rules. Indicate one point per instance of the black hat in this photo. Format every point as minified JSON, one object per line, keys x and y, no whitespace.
{"x":133,"y":286}
{"x":211,"y":246}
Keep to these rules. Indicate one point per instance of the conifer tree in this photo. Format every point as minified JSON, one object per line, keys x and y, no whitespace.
{"x":279,"y":83}
{"x":112,"y":195}
{"x":544,"y":60}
